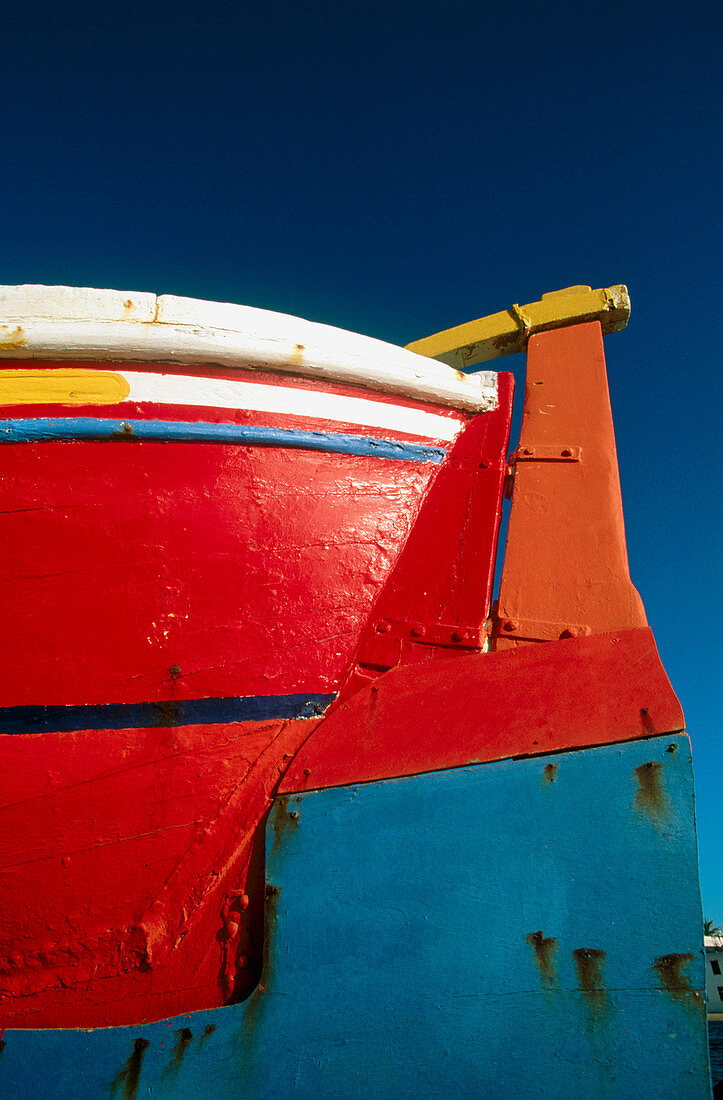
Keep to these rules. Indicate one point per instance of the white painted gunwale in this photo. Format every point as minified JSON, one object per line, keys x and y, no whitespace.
{"x":81,"y":323}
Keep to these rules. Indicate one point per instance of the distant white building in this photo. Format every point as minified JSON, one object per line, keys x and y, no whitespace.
{"x":714,"y":974}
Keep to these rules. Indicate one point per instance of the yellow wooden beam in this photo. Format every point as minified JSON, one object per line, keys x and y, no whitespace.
{"x":508,"y":332}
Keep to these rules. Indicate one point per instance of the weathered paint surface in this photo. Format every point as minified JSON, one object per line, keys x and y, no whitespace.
{"x":437,"y":597}
{"x":131,"y":873}
{"x":194,"y":578}
{"x":246,"y":555}
{"x":609,"y":687}
{"x":41,"y":322}
{"x":508,"y":332}
{"x":250,"y":572}
{"x":191,"y":602}
{"x":425,"y":939}
{"x":567,"y":511}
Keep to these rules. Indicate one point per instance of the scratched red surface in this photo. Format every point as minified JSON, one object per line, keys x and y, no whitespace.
{"x":117,"y":852}
{"x":252,"y":569}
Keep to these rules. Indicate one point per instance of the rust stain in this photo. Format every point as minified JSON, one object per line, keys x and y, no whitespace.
{"x":129,"y":1076}
{"x":11,"y":340}
{"x":544,"y":949}
{"x":550,"y":774}
{"x":647,"y":722}
{"x":650,"y":796}
{"x":183,"y":1037}
{"x":207,"y":1033}
{"x":255,"y":1004}
{"x":286,"y":819}
{"x":297,"y":355}
{"x":589,"y":966}
{"x":669,"y":969}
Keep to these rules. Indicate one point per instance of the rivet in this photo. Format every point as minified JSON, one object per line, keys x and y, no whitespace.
{"x":566,"y":453}
{"x":417,"y":631}
{"x":527,"y":451}
{"x":294,"y":815}
{"x":510,"y":625}
{"x":672,"y":748}
{"x":307,"y":771}
{"x":383,"y":627}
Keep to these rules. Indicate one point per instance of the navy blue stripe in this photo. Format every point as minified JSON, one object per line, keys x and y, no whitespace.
{"x":44,"y":429}
{"x":170,"y":712}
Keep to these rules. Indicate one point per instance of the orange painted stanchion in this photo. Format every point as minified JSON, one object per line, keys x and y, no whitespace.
{"x":566,"y":565}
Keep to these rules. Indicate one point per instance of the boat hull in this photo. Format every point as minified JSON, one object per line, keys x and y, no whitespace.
{"x":526,"y":926}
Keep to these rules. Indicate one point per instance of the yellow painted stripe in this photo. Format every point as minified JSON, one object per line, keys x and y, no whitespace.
{"x":62,"y":387}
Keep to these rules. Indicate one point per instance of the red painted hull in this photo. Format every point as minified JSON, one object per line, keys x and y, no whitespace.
{"x":143,"y":578}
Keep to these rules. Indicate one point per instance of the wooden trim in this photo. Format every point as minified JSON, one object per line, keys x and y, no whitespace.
{"x":75,"y":323}
{"x":508,"y":332}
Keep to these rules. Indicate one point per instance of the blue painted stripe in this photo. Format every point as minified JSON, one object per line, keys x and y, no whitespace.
{"x":167,"y":712}
{"x":45,"y":429}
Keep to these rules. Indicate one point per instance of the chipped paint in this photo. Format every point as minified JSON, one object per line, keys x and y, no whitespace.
{"x":508,"y":332}
{"x":76,"y":323}
{"x":12,"y":339}
{"x":549,"y":773}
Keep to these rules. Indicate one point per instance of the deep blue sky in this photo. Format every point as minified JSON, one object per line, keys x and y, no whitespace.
{"x":398,"y":168}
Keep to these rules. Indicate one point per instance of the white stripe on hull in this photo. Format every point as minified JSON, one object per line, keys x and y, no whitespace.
{"x":175,"y":389}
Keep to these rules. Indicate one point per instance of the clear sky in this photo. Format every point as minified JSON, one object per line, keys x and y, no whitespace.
{"x":396,"y":168}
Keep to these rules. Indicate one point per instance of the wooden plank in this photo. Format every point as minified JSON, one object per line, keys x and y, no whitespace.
{"x":508,"y":332}
{"x":68,"y":323}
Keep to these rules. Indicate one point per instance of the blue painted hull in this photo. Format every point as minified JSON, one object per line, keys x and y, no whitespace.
{"x":530,"y":927}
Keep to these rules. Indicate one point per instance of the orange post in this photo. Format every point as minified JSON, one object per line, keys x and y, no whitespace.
{"x":566,"y":566}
